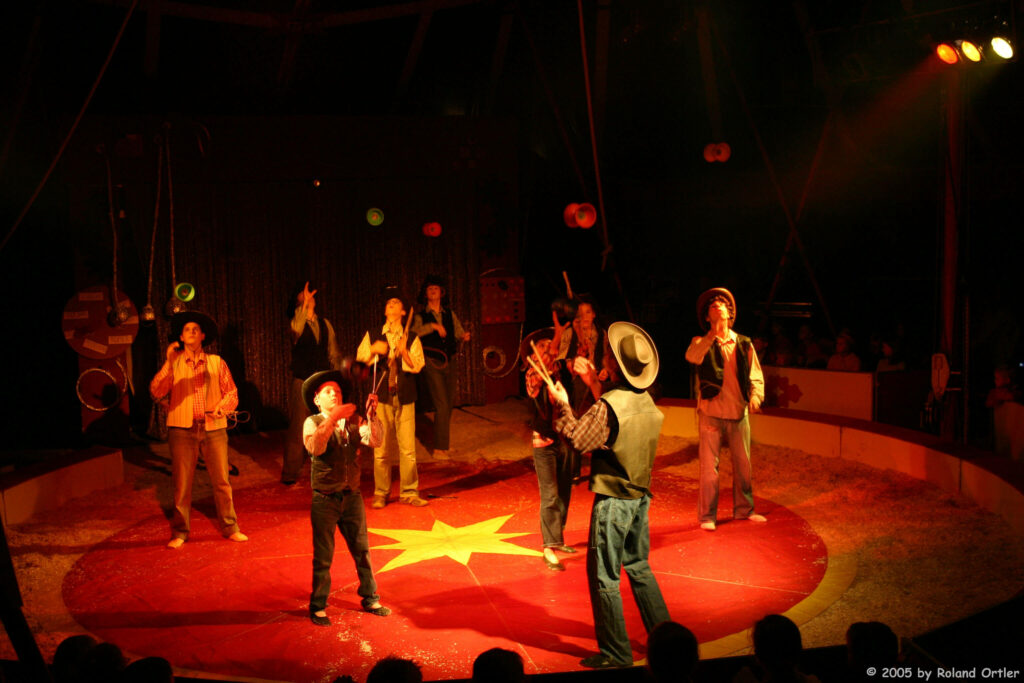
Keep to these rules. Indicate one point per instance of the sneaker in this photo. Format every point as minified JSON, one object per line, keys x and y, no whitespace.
{"x":707,"y":526}
{"x":754,"y":517}
{"x":415,"y":501}
{"x":176,"y":543}
{"x":380,"y":610}
{"x":378,"y":502}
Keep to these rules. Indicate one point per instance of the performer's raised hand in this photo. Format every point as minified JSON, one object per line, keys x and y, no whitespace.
{"x":308,"y":302}
{"x":173,"y":351}
{"x":558,"y":392}
{"x":343,"y":411}
{"x":585,"y":369}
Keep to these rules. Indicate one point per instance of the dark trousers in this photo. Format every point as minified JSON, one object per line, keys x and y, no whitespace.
{"x":556,"y":465}
{"x":343,"y":510}
{"x":620,"y":538}
{"x":440,"y":384}
{"x":294,"y":449}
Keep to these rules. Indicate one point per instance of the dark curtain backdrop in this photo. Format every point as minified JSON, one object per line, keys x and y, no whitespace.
{"x":251,"y":226}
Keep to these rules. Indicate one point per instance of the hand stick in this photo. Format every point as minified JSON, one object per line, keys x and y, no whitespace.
{"x":568,"y":287}
{"x":540,"y":371}
{"x":543,"y":370}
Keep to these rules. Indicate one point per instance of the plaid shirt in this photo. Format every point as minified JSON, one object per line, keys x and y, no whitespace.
{"x":161,"y":385}
{"x":590,"y":432}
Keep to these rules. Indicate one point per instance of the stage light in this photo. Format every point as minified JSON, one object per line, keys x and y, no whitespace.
{"x":1002,"y":47}
{"x":969,"y":50}
{"x":947,"y":53}
{"x":374,"y":217}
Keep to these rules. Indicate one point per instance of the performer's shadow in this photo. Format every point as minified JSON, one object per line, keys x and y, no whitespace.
{"x":497,"y":612}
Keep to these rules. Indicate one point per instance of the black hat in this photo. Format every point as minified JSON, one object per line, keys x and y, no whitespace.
{"x":313,"y":383}
{"x":525,"y":348}
{"x":205,"y":322}
{"x":427,"y":282}
{"x":704,"y":302}
{"x":393,"y":292}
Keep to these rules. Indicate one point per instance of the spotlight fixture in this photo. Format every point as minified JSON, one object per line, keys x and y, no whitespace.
{"x":1002,"y":47}
{"x":969,"y":50}
{"x":947,"y":53}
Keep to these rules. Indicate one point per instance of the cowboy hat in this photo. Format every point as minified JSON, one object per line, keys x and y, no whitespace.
{"x":537,"y":336}
{"x":704,"y":301}
{"x":312,"y":385}
{"x":635,"y":353}
{"x":205,"y":322}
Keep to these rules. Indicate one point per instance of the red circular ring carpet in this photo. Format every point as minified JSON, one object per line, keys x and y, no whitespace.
{"x":462,"y":575}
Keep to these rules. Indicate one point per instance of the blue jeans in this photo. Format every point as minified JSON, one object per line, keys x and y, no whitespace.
{"x":620,"y":538}
{"x":556,"y":465}
{"x":737,"y":433}
{"x":344,"y":511}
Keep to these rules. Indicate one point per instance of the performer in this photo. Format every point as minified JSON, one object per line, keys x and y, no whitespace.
{"x":201,"y":392}
{"x":314,"y":348}
{"x":730,"y":382}
{"x":404,"y":355}
{"x":331,"y":437}
{"x":622,"y":431}
{"x":440,"y":331}
{"x":586,"y":340}
{"x":554,"y":459}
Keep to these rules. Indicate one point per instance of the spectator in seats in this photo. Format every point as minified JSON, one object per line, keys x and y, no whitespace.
{"x":870,"y":645}
{"x":764,"y":354}
{"x":671,"y":653}
{"x":809,"y":349}
{"x":394,"y":669}
{"x":844,"y":359}
{"x":103,"y":663}
{"x":782,"y":349}
{"x":777,"y":648}
{"x":498,"y":665}
{"x":891,"y":359}
{"x":148,"y":670}
{"x":1005,"y":389}
{"x":68,"y":659}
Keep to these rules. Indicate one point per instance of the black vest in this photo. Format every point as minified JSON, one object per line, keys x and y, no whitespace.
{"x":309,"y":355}
{"x":406,"y":382}
{"x":712,"y":370}
{"x":434,"y":340}
{"x":338,"y":468}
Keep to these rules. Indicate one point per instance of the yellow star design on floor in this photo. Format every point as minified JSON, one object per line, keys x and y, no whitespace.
{"x":444,"y":540}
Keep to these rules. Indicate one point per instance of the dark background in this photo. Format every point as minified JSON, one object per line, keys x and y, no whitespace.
{"x":836,"y":114}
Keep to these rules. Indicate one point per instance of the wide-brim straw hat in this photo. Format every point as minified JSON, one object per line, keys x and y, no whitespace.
{"x":635,"y":352}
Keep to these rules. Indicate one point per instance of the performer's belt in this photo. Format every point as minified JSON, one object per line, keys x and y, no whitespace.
{"x":339,"y":495}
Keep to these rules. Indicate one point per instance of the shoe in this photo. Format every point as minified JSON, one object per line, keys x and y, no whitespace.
{"x":565,"y":549}
{"x":600,"y":661}
{"x":379,"y":610}
{"x":288,"y":482}
{"x":238,"y":537}
{"x":176,"y":543}
{"x":378,"y":502}
{"x":318,"y":620}
{"x":707,"y":526}
{"x":754,"y":517}
{"x":441,"y":454}
{"x":415,"y":501}
{"x":555,"y":566}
